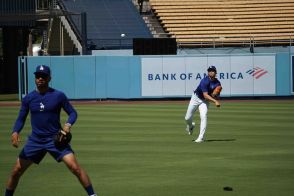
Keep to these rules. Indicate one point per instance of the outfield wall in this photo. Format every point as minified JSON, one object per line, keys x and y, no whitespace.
{"x":128,"y":77}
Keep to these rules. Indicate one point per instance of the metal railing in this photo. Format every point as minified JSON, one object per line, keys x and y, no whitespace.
{"x":249,"y":41}
{"x":101,"y":44}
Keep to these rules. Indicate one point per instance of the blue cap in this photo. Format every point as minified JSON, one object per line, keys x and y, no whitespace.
{"x":43,"y":69}
{"x":212,"y":68}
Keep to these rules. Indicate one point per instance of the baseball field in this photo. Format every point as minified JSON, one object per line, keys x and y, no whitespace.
{"x":142,"y":149}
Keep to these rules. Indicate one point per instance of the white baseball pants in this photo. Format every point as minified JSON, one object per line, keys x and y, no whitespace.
{"x":202,"y":106}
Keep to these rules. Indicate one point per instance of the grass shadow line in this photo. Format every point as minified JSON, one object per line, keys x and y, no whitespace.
{"x":220,"y":140}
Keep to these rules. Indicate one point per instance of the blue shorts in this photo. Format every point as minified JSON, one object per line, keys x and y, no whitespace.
{"x":36,"y":148}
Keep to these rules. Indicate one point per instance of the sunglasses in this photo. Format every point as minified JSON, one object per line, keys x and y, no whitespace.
{"x":39,"y":75}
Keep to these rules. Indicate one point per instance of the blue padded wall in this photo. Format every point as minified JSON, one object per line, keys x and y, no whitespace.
{"x":90,"y":77}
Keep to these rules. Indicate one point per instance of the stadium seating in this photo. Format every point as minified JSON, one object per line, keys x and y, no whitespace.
{"x":227,"y":22}
{"x":108,"y":20}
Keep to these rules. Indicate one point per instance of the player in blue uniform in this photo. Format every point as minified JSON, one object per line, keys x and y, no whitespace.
{"x":200,"y":100}
{"x":44,"y":105}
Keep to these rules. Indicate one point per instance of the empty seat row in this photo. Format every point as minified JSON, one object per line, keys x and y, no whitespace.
{"x":223,"y":21}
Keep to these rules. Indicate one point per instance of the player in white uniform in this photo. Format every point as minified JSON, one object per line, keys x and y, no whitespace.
{"x":200,"y":100}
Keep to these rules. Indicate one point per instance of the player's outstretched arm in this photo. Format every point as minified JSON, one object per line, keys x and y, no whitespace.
{"x":211,"y":99}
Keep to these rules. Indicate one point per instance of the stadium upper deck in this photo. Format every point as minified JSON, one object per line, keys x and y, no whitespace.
{"x":110,"y":24}
{"x":227,"y":22}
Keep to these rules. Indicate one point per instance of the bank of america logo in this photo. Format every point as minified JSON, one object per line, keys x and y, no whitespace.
{"x":256,"y":72}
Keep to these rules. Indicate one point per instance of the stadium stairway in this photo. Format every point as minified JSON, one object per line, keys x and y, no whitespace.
{"x":59,"y":40}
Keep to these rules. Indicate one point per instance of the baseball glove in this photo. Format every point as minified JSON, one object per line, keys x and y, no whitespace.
{"x":62,"y":139}
{"x":216,"y":92}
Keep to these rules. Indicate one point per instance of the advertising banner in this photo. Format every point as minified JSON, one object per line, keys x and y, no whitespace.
{"x":180,"y":76}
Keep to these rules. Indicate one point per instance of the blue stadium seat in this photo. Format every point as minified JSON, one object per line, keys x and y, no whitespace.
{"x":107,"y":20}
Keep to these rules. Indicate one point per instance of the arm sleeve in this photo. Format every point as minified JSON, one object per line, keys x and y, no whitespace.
{"x":218,"y":82}
{"x":21,"y":119}
{"x":71,"y":112}
{"x":204,"y":86}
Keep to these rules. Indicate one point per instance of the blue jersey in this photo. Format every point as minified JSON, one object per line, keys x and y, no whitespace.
{"x":44,"y":112}
{"x":206,"y":85}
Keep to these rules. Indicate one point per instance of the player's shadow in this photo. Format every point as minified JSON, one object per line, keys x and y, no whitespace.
{"x":221,"y":140}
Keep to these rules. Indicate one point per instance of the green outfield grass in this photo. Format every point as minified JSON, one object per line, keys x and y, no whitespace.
{"x":143,"y":150}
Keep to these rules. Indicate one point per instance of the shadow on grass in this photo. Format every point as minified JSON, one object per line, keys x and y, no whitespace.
{"x":220,"y":140}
